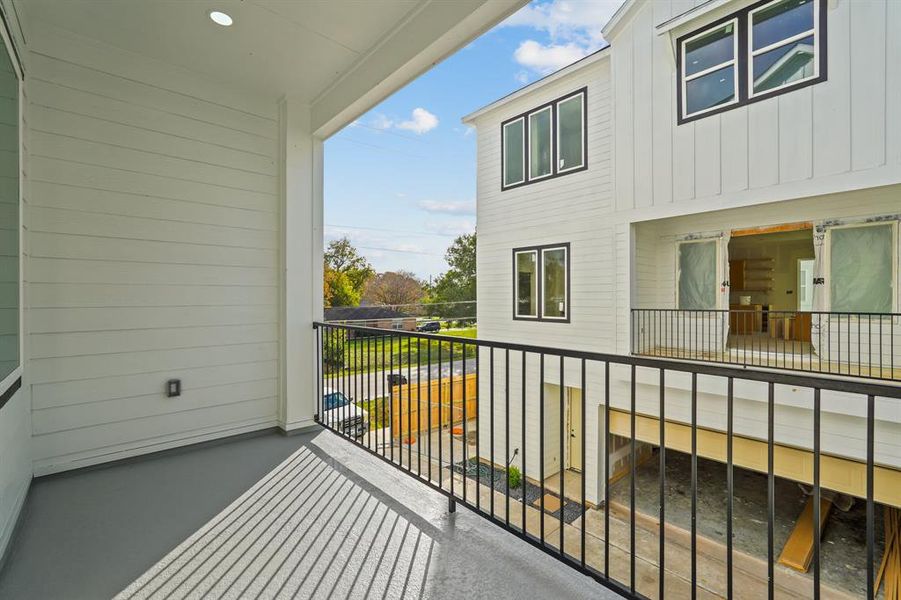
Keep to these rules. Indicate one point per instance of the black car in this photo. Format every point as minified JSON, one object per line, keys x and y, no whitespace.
{"x":429,"y":326}
{"x":396,"y":379}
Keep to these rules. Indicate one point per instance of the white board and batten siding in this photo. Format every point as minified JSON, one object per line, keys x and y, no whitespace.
{"x":837,"y":135}
{"x":152,"y":217}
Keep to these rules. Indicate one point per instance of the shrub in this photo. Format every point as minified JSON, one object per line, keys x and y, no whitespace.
{"x":514,"y":477}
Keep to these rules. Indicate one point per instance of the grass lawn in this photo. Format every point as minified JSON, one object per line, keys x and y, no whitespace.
{"x":374,"y":407}
{"x":377,"y":353}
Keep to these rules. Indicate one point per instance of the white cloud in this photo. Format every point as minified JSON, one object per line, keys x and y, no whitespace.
{"x":574,"y":28}
{"x":422,"y":121}
{"x":453,"y":227}
{"x":464,"y":207}
{"x":522,"y":76}
{"x":546,"y":59}
{"x":382,"y":122}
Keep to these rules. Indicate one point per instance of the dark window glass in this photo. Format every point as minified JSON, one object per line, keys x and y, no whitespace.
{"x":710,"y":90}
{"x":781,"y":21}
{"x":569,"y":119}
{"x":334,"y":400}
{"x":709,"y":50}
{"x":514,"y":138}
{"x":526,"y":284}
{"x":785,"y":64}
{"x":9,"y":215}
{"x":554,"y":283}
{"x":540,"y":143}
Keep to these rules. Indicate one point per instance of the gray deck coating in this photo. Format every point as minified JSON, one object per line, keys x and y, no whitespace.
{"x":267,"y":516}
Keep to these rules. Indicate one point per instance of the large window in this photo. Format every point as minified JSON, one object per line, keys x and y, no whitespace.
{"x":769,"y":48}
{"x":541,"y":283}
{"x":697,"y":275}
{"x":9,"y":222}
{"x":545,"y":142}
{"x":862,"y":268}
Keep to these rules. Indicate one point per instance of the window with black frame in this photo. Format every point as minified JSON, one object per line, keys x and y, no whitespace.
{"x":545,"y":142}
{"x":769,"y":48}
{"x":541,"y":283}
{"x":9,"y":221}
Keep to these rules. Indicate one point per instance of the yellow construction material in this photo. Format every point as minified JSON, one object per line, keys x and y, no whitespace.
{"x":798,"y":550}
{"x":890,"y":568}
{"x":836,"y":473}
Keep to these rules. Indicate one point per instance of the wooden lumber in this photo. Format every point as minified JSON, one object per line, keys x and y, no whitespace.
{"x":797,"y":553}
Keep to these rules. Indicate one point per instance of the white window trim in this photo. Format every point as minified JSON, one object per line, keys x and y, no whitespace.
{"x":522,"y":153}
{"x":550,"y":137}
{"x":581,"y":98}
{"x":537,"y":286}
{"x":565,"y":284}
{"x":717,"y":270}
{"x":827,"y":258}
{"x":733,"y":62}
{"x":799,"y":36}
{"x":18,"y":371}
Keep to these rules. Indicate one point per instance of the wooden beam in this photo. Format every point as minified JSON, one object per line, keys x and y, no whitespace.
{"x":838,"y":474}
{"x":772,"y":228}
{"x":797,"y":553}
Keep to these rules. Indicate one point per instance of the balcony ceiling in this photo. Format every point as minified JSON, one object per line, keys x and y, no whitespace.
{"x":275,"y":47}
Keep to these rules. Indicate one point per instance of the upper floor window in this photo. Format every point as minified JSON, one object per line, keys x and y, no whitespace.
{"x":541,"y":283}
{"x":766,"y":49}
{"x":545,"y":142}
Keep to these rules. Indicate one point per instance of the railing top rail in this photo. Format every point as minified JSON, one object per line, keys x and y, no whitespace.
{"x":853,"y":386}
{"x":768,"y":310}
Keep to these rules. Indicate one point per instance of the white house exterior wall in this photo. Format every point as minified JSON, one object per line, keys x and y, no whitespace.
{"x":152,"y":228}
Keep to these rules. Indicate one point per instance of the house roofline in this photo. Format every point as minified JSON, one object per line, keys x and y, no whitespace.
{"x":539,"y":83}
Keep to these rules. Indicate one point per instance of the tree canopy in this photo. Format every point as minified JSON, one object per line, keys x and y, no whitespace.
{"x":457,"y":284}
{"x":394,"y":288}
{"x":346,"y":274}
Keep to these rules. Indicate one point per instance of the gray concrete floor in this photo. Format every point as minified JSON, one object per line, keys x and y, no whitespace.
{"x":266,"y":516}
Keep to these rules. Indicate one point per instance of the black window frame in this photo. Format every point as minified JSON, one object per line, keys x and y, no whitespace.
{"x":555,"y":167}
{"x":743,"y":66}
{"x":539,"y":286}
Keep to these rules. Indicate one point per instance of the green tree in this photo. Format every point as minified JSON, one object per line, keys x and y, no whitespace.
{"x":457,"y":284}
{"x":346,"y":274}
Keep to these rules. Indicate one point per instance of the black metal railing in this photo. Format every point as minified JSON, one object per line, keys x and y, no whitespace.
{"x":556,"y":447}
{"x":836,"y":343}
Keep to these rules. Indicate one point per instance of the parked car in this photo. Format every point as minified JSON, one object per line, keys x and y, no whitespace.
{"x":396,"y":379}
{"x":429,"y":326}
{"x":340,"y":412}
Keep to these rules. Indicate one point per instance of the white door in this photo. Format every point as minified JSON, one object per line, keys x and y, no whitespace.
{"x":575,"y":429}
{"x":805,"y":284}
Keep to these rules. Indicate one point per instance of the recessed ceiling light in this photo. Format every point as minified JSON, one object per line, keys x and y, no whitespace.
{"x":220,"y":18}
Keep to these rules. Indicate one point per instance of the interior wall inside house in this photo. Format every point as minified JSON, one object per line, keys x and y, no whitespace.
{"x":771,"y":283}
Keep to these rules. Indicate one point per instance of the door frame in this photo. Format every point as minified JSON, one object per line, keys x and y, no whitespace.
{"x":570,"y":397}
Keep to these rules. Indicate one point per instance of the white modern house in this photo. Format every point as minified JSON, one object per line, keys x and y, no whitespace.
{"x":722,"y":184}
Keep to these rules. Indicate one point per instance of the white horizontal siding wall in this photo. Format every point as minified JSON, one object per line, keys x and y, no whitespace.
{"x":573,"y":208}
{"x":836,"y":135}
{"x":152,"y":227}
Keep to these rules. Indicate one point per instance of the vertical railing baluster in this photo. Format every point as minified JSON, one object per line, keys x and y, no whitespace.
{"x":632,"y":469}
{"x":465,"y":426}
{"x":507,"y":436}
{"x":410,"y":437}
{"x":452,"y":418}
{"x":523,"y":443}
{"x":871,"y":507}
{"x":491,"y":425}
{"x":771,"y":490}
{"x":418,"y":406}
{"x":582,"y":462}
{"x":478,"y":429}
{"x":562,"y":412}
{"x":541,"y":444}
{"x":730,"y":482}
{"x":694,"y":485}
{"x":428,"y":358}
{"x":394,"y":429}
{"x":440,"y":420}
{"x":386,"y":397}
{"x":816,"y":494}
{"x":662,"y":488}
{"x":607,"y":470}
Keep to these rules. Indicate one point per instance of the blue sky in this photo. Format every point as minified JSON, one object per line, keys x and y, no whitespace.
{"x":400,"y":181}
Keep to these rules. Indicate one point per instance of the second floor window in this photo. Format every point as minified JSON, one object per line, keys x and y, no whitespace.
{"x":545,"y":142}
{"x":769,"y":48}
{"x":541,"y":283}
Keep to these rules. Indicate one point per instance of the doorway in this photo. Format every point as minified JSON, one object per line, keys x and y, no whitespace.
{"x":576,"y":431}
